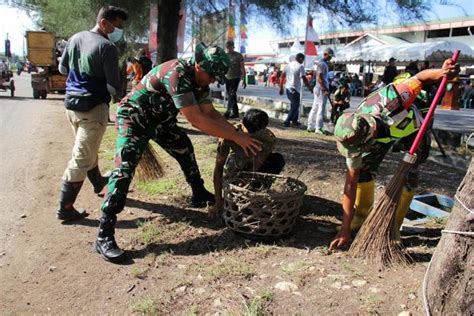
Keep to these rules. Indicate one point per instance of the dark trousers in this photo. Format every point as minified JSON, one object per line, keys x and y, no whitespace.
{"x":294,"y":97}
{"x":337,"y":109}
{"x":231,"y":86}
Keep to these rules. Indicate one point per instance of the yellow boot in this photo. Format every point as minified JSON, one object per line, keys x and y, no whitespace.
{"x":363,"y":204}
{"x":402,"y":209}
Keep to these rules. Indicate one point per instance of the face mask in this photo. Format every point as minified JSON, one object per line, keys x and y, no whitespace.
{"x":116,"y":35}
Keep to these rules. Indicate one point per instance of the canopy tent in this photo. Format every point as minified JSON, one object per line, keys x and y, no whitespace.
{"x":432,"y":51}
{"x":282,"y":59}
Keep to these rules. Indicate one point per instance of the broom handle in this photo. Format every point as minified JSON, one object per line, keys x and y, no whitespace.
{"x":426,"y":121}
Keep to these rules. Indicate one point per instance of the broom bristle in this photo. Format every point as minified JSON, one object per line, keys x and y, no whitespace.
{"x":150,"y":166}
{"x":376,"y":238}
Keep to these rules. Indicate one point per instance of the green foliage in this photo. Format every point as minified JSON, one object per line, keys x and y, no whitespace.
{"x":146,"y":306}
{"x":259,"y":304}
{"x":343,"y":12}
{"x":157,"y":186}
{"x":152,"y":233}
{"x":67,"y":17}
{"x":149,"y":232}
{"x":226,"y":270}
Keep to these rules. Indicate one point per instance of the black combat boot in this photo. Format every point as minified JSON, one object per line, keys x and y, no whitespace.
{"x":105,"y":243}
{"x":201,"y":197}
{"x":67,"y":197}
{"x":97,"y":180}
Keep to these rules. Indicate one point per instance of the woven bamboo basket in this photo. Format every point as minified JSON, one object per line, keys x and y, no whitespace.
{"x":261,"y":204}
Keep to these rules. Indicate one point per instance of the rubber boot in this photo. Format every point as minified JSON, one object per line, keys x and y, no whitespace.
{"x":105,"y":244}
{"x":97,"y":180}
{"x":201,"y":197}
{"x":363,"y":204}
{"x":402,"y":210}
{"x":67,"y":197}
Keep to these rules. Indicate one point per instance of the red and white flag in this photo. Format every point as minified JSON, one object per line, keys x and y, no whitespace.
{"x":311,"y":37}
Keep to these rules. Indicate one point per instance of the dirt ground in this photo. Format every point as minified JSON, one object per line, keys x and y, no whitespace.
{"x":182,"y":264}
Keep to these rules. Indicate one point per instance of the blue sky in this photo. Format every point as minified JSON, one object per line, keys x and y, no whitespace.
{"x":16,"y":22}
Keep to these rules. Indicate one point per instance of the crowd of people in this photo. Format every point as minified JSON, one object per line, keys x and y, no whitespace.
{"x":180,"y":86}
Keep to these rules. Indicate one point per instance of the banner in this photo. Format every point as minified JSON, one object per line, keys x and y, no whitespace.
{"x":243,"y":29}
{"x":311,"y":37}
{"x":231,"y":27}
{"x":153,"y":38}
{"x":8,"y":52}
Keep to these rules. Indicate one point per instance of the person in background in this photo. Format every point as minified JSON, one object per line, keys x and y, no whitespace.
{"x":468,"y":95}
{"x":342,"y":99}
{"x":145,"y":62}
{"x":135,"y":70}
{"x":265,"y":76}
{"x":412,"y":68}
{"x":234,"y":75}
{"x":90,"y":60}
{"x":426,"y":65}
{"x":390,"y":71}
{"x":321,"y":93}
{"x":356,"y":85}
{"x":293,"y":74}
{"x":3,"y":68}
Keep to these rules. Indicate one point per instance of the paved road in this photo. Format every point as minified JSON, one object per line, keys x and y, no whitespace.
{"x":26,"y":136}
{"x":458,"y":121}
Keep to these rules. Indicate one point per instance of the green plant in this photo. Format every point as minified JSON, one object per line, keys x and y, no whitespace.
{"x":371,"y":303}
{"x":145,"y":306}
{"x":139,"y":273}
{"x":438,"y":220}
{"x":163,"y":259}
{"x":158,"y":186}
{"x":258,"y":305}
{"x":192,"y":311}
{"x":149,"y":232}
{"x":265,"y":251}
{"x":226,"y":269}
{"x":324,"y":250}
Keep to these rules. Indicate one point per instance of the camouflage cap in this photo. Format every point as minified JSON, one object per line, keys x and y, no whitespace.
{"x":213,"y":60}
{"x":353,"y":131}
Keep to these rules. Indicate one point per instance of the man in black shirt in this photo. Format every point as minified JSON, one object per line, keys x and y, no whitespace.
{"x":390,"y":71}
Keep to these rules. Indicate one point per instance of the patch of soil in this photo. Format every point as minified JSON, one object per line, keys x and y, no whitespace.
{"x":181,"y":263}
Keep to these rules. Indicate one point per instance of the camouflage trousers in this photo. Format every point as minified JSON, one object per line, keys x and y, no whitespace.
{"x":135,"y":128}
{"x":372,"y":161}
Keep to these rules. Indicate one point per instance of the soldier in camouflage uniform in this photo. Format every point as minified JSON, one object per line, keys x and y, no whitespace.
{"x":149,"y":112}
{"x":364,"y":137}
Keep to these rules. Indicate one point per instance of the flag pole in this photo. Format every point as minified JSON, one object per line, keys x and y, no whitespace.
{"x":304,"y":63}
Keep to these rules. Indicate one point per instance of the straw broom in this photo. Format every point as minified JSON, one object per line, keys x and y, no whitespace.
{"x":150,"y":165}
{"x":376,"y":238}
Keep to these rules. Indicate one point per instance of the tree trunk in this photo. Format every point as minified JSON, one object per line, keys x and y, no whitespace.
{"x":167,"y":33}
{"x":450,"y":285}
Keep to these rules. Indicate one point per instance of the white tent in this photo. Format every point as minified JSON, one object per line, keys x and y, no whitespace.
{"x":432,"y":51}
{"x":296,"y":48}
